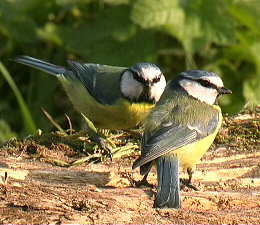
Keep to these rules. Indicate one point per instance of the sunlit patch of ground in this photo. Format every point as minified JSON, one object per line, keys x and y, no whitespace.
{"x":40,"y":184}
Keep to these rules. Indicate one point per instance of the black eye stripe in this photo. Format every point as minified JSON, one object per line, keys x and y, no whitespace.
{"x":206,"y":83}
{"x":140,"y":79}
{"x":157,"y":79}
{"x":137,"y":77}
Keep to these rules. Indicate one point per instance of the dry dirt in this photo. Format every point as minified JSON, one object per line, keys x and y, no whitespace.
{"x":34,"y":190}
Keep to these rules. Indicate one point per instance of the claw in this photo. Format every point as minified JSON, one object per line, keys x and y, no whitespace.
{"x":95,"y":137}
{"x":143,"y":182}
{"x":187,"y":182}
{"x":101,"y":142}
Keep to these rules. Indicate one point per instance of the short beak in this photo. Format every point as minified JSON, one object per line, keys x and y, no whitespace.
{"x":146,"y":93}
{"x":224,"y":91}
{"x":148,"y":84}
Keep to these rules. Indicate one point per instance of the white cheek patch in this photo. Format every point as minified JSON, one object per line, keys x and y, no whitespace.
{"x":157,"y":89}
{"x":132,"y":89}
{"x":204,"y":94}
{"x":129,"y":86}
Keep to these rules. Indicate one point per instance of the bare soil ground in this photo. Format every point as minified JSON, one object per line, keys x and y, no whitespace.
{"x":36,"y":187}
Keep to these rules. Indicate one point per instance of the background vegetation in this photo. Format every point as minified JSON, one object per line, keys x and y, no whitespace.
{"x":221,"y":35}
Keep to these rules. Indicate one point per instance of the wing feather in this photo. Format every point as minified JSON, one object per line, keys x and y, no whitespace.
{"x":172,"y":135}
{"x":165,"y":140}
{"x":101,"y":81}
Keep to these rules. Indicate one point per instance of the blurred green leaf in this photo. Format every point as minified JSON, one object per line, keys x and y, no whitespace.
{"x":109,"y":40}
{"x":252,"y":84}
{"x":15,"y":23}
{"x":49,"y":33}
{"x":247,"y":14}
{"x":5,"y":131}
{"x":29,"y":125}
{"x":255,"y":49}
{"x":117,"y":2}
{"x":207,"y":22}
{"x":193,"y":23}
{"x":165,"y":15}
{"x":251,"y":90}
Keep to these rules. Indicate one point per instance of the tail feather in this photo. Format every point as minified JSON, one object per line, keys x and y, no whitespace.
{"x":39,"y":64}
{"x":168,"y":195}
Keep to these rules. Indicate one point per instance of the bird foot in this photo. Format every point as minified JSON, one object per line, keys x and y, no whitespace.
{"x":143,"y":183}
{"x":187,"y":183}
{"x":101,"y":142}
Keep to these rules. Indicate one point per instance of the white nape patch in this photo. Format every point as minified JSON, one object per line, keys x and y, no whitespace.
{"x":130,"y":87}
{"x":150,"y":73}
{"x":158,"y":88}
{"x":194,"y":89}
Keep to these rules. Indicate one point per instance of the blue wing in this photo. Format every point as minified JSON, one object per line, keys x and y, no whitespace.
{"x":101,"y":81}
{"x":170,"y":136}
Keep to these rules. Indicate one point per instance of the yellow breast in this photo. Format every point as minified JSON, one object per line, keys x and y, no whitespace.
{"x":190,"y":154}
{"x":122,"y":115}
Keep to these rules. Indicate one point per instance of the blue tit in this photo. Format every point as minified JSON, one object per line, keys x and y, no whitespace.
{"x":116,"y":98}
{"x":180,"y":129}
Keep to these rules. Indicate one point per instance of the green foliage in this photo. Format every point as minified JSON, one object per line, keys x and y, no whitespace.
{"x":5,"y":131}
{"x":221,"y":35}
{"x":193,"y":23}
{"x":28,"y":122}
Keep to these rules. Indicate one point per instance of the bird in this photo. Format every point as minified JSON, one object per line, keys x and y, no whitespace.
{"x":179,"y":130}
{"x":111,"y":97}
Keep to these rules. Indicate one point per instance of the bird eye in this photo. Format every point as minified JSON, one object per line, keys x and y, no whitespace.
{"x":156,"y":79}
{"x":205,"y":83}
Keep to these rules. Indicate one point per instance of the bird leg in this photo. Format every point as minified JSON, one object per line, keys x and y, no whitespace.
{"x":187,"y":182}
{"x":95,"y":137}
{"x":143,"y":182}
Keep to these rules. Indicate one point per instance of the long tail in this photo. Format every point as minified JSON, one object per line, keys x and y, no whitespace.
{"x":39,"y":64}
{"x":168,"y":195}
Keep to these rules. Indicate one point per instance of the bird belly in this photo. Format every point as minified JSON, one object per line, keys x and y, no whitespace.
{"x":122,"y":115}
{"x":190,"y":154}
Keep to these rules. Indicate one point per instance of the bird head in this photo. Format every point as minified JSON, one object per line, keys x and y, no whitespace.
{"x":203,"y":85}
{"x":144,"y":82}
